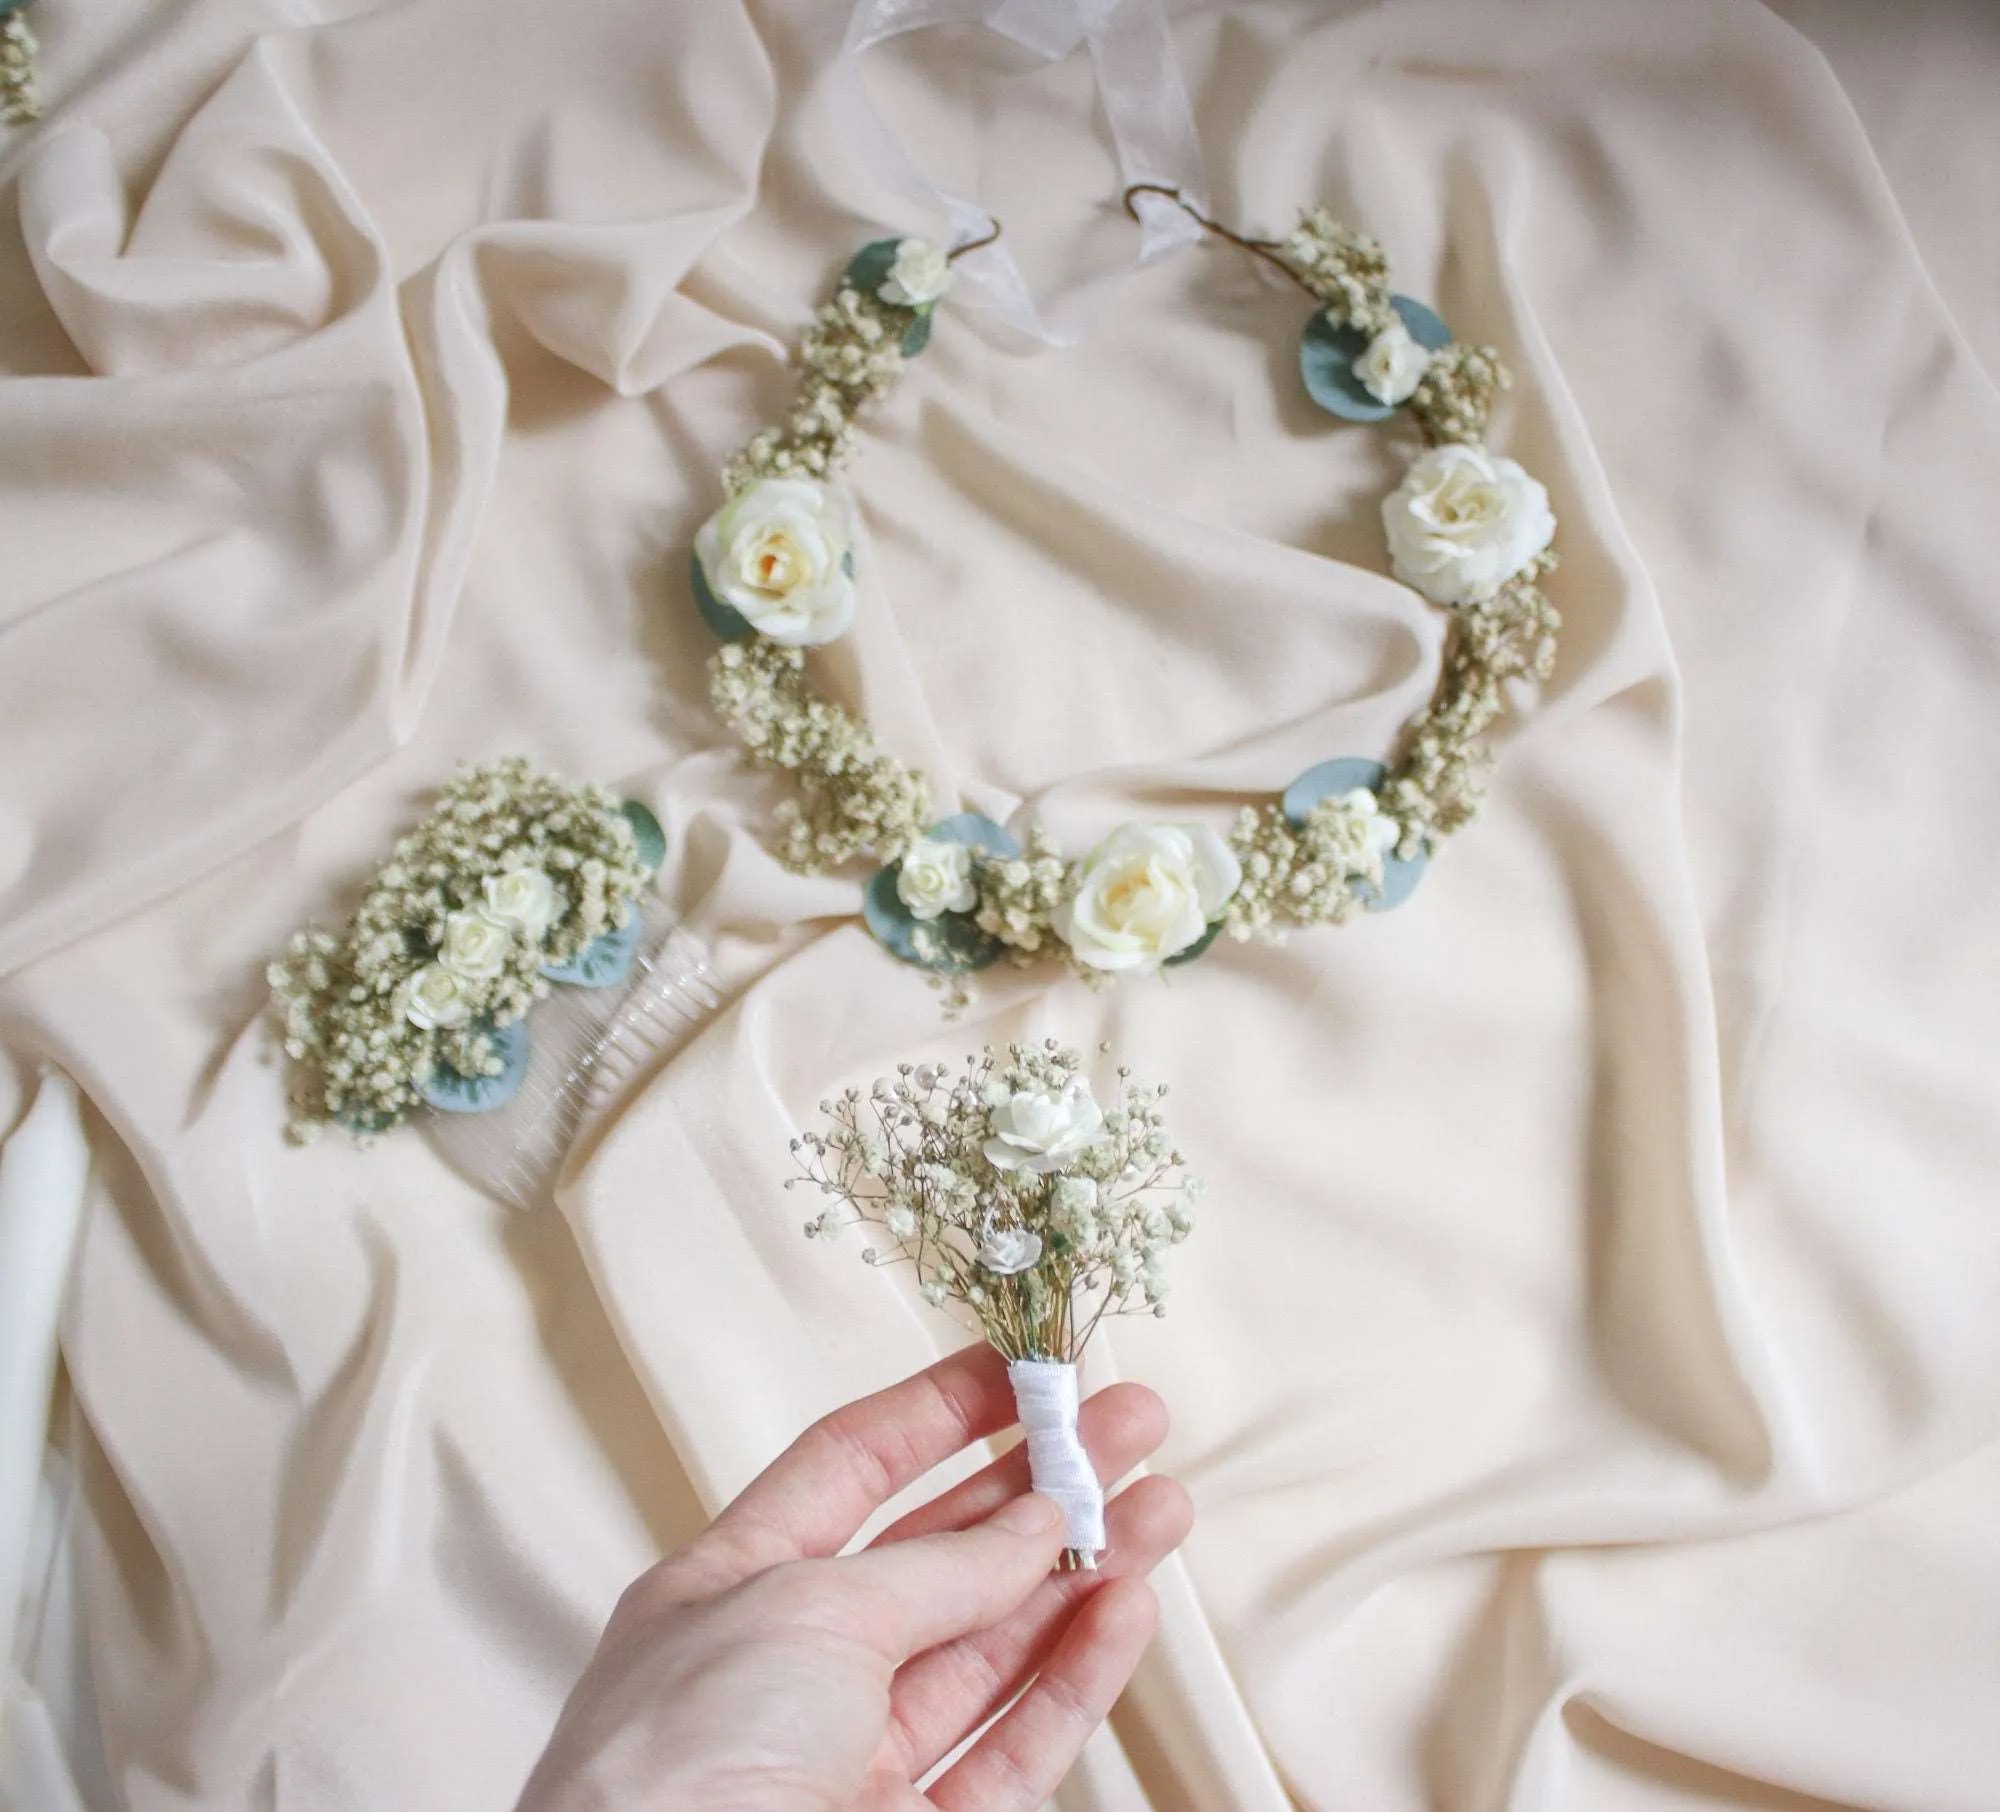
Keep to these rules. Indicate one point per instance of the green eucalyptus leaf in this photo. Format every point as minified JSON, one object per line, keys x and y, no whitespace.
{"x":869,"y":266}
{"x":646,"y":832}
{"x":1328,"y":351}
{"x":1400,"y":874}
{"x":727,"y":622}
{"x":1329,"y":780}
{"x":1197,"y":948}
{"x":451,"y":1093}
{"x":976,"y":832}
{"x":951,"y":943}
{"x":602,"y":963}
{"x":918,"y":334}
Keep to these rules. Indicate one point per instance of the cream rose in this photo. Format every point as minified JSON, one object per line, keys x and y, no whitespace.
{"x":1392,"y":365}
{"x":1463,"y":522}
{"x":919,"y":276}
{"x":777,"y":553}
{"x":1039,"y":1132}
{"x":434,"y":999}
{"x":1146,"y":893}
{"x":1008,"y":1250}
{"x":523,"y":900}
{"x":1379,"y":832}
{"x":474,"y":948}
{"x":935,"y":877}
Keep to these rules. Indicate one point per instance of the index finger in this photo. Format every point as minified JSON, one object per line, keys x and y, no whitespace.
{"x":811,"y":1501}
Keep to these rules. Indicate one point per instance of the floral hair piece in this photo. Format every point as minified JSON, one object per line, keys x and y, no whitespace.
{"x":774,"y":574}
{"x":1015,"y":1196}
{"x":515,"y":884}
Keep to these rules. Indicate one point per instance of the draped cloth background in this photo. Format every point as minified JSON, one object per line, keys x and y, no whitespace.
{"x":1588,"y":1369}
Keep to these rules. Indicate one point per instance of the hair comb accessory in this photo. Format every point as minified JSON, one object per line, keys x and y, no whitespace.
{"x":517,"y":889}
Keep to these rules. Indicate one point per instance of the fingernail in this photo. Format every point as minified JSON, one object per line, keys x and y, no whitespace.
{"x":1030,"y":1515}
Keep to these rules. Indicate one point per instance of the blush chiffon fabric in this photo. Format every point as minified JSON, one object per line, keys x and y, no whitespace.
{"x":1587,"y":1365}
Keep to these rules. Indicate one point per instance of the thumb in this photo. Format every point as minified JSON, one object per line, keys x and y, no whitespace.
{"x":934,"y":1588}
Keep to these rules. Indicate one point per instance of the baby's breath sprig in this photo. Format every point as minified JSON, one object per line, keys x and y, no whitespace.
{"x":1009,"y":1191}
{"x":1013,"y":1196}
{"x":854,"y":797}
{"x":514,"y":873}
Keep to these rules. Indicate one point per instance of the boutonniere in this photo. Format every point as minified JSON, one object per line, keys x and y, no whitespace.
{"x":516,"y":884}
{"x":1019,"y":1199}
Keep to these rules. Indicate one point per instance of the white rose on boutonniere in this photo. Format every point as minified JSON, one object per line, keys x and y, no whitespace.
{"x":919,"y":276}
{"x":1038,"y":1132}
{"x":523,"y":900}
{"x":434,"y":999}
{"x":1463,"y":522}
{"x":474,"y":948}
{"x":1147,"y":892}
{"x":1007,"y":1251}
{"x":1392,"y":365}
{"x":778,"y":553}
{"x":935,"y":877}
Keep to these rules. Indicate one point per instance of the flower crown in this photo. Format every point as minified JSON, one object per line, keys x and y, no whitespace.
{"x":774,"y":574}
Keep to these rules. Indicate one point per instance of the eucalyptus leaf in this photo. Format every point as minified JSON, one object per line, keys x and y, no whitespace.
{"x":602,"y":963}
{"x":1329,"y":780}
{"x":727,"y":622}
{"x":1400,"y":876}
{"x":646,"y":832}
{"x":1195,"y":949}
{"x":869,"y":266}
{"x":951,"y":943}
{"x":918,"y":334}
{"x":451,"y":1093}
{"x":976,"y":832}
{"x":1327,"y":354}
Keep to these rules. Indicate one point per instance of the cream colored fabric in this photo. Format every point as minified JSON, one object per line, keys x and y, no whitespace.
{"x":1587,"y":1369}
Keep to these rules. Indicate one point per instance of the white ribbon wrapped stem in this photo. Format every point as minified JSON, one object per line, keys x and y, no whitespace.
{"x":1045,"y":1393}
{"x":1145,"y":103}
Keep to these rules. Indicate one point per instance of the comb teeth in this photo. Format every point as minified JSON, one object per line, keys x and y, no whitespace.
{"x":588,"y":1045}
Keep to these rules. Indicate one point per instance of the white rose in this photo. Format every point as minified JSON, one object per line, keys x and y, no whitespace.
{"x":1039,"y":1132}
{"x":1393,"y":365}
{"x":936,"y":877}
{"x":1146,"y":893}
{"x":1007,"y":1250}
{"x":434,"y":999}
{"x":523,"y":900}
{"x":920,"y":275}
{"x":474,"y":948}
{"x":1380,"y":831}
{"x":777,"y":554}
{"x":1463,"y":522}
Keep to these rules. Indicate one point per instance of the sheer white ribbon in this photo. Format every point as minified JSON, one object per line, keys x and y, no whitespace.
{"x":1145,"y":101}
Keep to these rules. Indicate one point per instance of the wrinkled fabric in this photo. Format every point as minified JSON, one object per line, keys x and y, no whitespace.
{"x":1586,"y":1368}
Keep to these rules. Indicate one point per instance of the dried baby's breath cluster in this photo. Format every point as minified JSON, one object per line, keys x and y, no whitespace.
{"x":1298,"y":875}
{"x":852,"y":353}
{"x":1454,"y":402}
{"x":362,"y":1041}
{"x":19,"y":102}
{"x":1436,"y":786}
{"x":1018,"y":896}
{"x":854,"y":796}
{"x":1009,"y":1191}
{"x":1345,"y":269}
{"x":1348,"y":271}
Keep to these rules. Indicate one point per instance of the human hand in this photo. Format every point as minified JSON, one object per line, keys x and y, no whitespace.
{"x":753,"y":1671}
